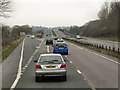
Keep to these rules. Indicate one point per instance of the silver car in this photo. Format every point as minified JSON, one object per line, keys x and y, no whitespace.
{"x":50,"y":65}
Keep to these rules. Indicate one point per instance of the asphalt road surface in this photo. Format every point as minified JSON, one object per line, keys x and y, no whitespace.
{"x":100,"y":70}
{"x":86,"y":69}
{"x":27,"y":79}
{"x":10,"y":65}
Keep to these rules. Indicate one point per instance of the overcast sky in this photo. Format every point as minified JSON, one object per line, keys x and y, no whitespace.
{"x":53,"y":12}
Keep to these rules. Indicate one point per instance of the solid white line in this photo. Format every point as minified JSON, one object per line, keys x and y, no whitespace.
{"x":96,"y":54}
{"x":19,"y":68}
{"x":19,"y":73}
{"x":79,"y":71}
{"x":70,"y":61}
{"x":48,"y":49}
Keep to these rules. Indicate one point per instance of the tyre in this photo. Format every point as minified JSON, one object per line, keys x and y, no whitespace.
{"x":40,"y":79}
{"x":37,"y":79}
{"x":66,"y":53}
{"x":64,"y":78}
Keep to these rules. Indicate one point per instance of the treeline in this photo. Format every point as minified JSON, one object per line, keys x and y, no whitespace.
{"x":10,"y":34}
{"x":105,"y":26}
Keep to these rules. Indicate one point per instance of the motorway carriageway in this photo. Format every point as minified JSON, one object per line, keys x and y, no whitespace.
{"x":85,"y":69}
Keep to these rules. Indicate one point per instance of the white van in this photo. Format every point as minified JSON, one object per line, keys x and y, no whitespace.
{"x":78,"y":37}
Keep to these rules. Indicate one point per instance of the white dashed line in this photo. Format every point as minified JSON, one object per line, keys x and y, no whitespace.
{"x":20,"y":65}
{"x":26,"y":66}
{"x":79,"y":71}
{"x":37,"y":47}
{"x":48,"y":49}
{"x":70,"y":61}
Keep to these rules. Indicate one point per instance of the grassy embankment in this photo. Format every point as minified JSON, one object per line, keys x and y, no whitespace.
{"x":109,"y":38}
{"x":8,"y":49}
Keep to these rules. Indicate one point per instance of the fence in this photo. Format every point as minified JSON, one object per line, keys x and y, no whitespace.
{"x":106,"y":47}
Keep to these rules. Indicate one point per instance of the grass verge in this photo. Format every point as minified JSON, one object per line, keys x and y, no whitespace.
{"x":104,"y":51}
{"x":109,"y":38}
{"x":8,"y":49}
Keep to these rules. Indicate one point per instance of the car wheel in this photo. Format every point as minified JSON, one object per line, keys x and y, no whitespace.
{"x":66,"y":53}
{"x":64,"y":78}
{"x":40,"y":79}
{"x":37,"y":79}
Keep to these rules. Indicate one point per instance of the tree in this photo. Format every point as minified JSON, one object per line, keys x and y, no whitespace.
{"x":17,"y":29}
{"x":5,"y":7}
{"x":103,"y":14}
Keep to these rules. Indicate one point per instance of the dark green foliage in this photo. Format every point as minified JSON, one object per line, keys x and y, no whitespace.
{"x":17,"y":29}
{"x":11,"y":34}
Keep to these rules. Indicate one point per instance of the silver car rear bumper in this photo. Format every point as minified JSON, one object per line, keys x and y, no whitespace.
{"x":51,"y":73}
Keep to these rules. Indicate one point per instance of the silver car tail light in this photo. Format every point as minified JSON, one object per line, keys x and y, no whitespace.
{"x":38,"y":67}
{"x":63,"y":66}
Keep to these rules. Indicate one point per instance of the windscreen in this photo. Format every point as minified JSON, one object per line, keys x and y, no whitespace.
{"x":50,"y":58}
{"x":61,"y":45}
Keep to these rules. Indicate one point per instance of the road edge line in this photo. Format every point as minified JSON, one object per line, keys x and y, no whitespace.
{"x":20,"y":67}
{"x":19,"y":75}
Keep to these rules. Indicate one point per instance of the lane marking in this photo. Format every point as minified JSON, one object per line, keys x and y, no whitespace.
{"x":48,"y":49}
{"x":79,"y":71}
{"x":70,"y":61}
{"x":96,"y":54}
{"x":19,"y":68}
{"x":19,"y":73}
{"x":65,"y":56}
{"x":37,"y":47}
{"x":26,"y":66}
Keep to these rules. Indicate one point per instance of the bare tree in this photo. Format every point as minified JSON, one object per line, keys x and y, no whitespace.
{"x":5,"y":7}
{"x":104,"y":11}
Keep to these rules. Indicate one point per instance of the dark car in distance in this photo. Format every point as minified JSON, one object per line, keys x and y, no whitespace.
{"x":49,"y":41}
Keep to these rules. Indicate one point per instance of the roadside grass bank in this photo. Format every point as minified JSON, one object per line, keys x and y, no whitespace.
{"x":98,"y":49}
{"x":8,"y":49}
{"x":116,"y":39}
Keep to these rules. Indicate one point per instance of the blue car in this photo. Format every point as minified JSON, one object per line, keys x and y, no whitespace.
{"x":60,"y":47}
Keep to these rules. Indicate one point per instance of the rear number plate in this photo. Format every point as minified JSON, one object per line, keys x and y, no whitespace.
{"x":61,"y":48}
{"x":50,"y":66}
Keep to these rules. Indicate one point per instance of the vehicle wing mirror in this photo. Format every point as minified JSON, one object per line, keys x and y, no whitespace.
{"x":65,"y":59}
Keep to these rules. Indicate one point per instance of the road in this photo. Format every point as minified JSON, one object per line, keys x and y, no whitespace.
{"x":75,"y":80}
{"x":95,"y":41}
{"x":10,"y":65}
{"x":99,"y":69}
{"x":86,"y":69}
{"x":27,"y":80}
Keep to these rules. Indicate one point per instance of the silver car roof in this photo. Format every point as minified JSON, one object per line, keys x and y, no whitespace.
{"x":50,"y":54}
